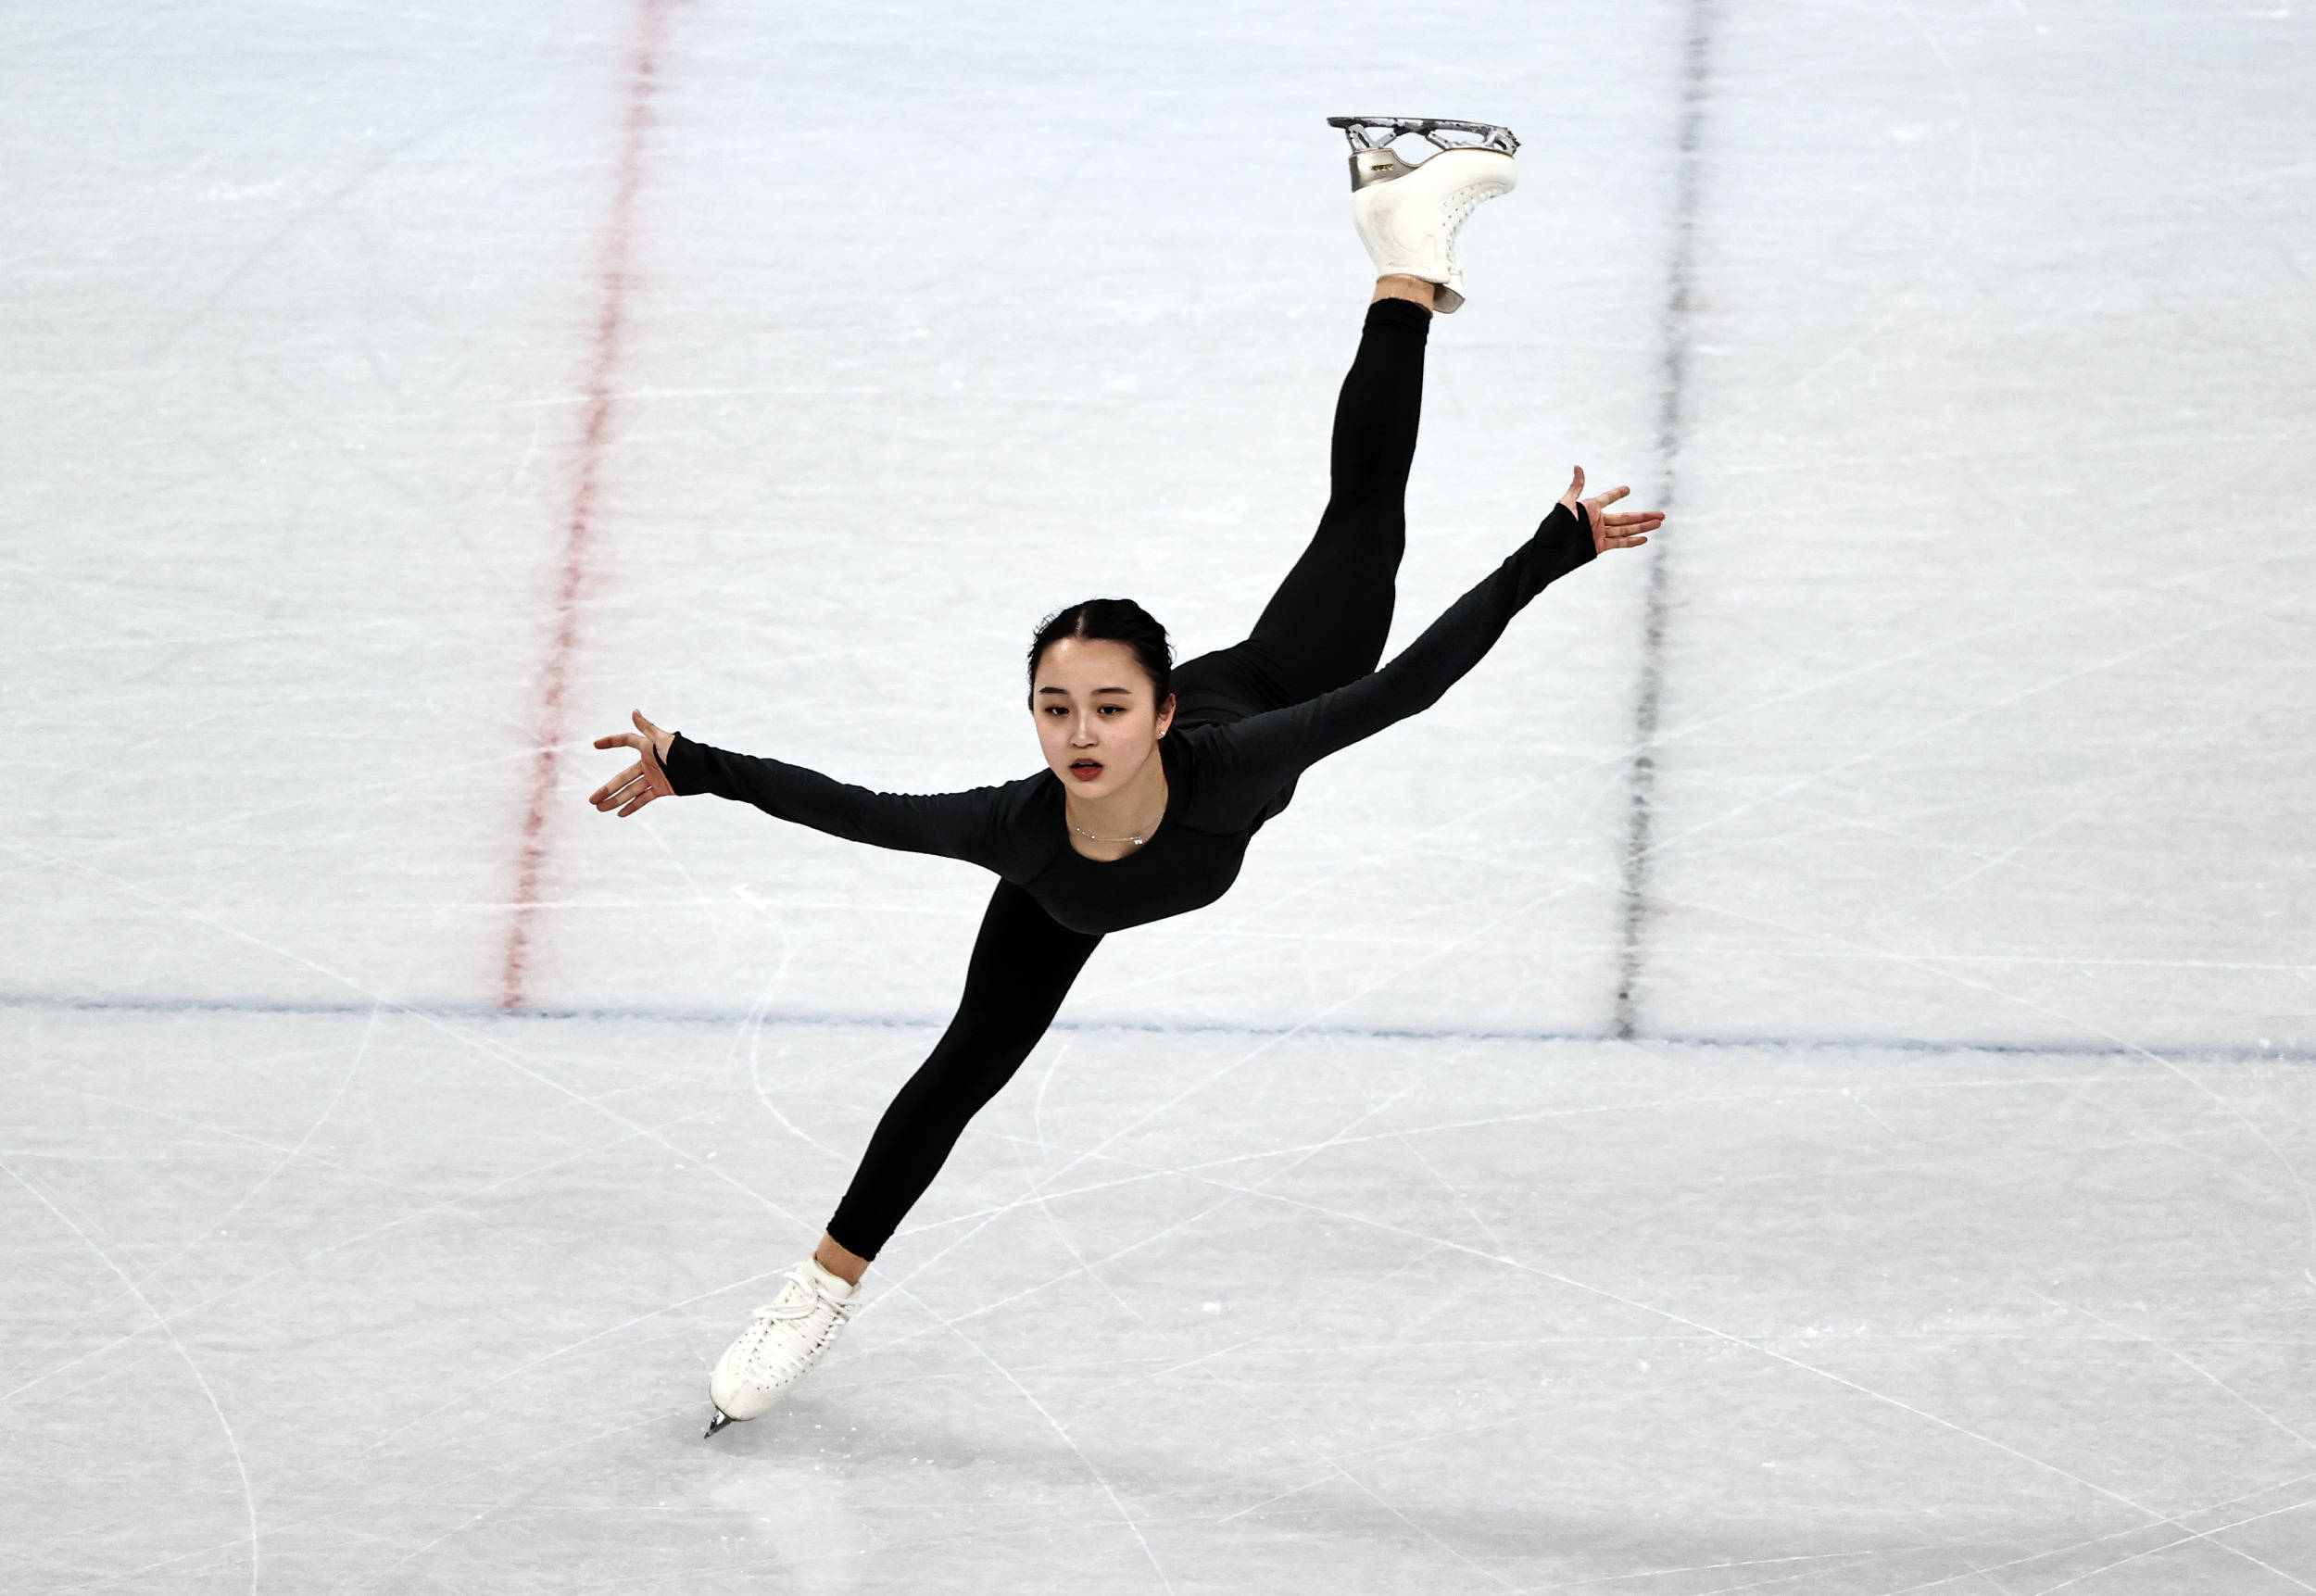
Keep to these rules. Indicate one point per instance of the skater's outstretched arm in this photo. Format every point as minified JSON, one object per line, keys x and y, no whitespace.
{"x":1267,"y":751}
{"x":968,"y":825}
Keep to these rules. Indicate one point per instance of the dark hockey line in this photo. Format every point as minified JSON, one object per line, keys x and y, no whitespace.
{"x":836,"y":1020}
{"x":1671,"y":415}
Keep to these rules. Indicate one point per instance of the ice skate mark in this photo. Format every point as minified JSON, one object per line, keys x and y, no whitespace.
{"x":1819,"y":684}
{"x":1405,"y":1137}
{"x":1185,"y":1095}
{"x":756,"y":1080}
{"x":381,"y":1443}
{"x":1812,"y":822}
{"x":898,"y":1289}
{"x":166,"y":1325}
{"x":1052,"y":1219}
{"x":1344,"y":1474}
{"x":433,"y":1021}
{"x":1675,"y":338}
{"x":466,"y":1393}
{"x":335,"y":632}
{"x":615,"y":278}
{"x":2168,"y":1350}
{"x":1989,"y":1569}
{"x":434,"y":1207}
{"x":1280,"y":1496}
{"x":1961,"y":83}
{"x":2207,"y":1535}
{"x":1702,"y":1329}
{"x":1100,"y":1478}
{"x":226,"y":1132}
{"x":1182,"y":1364}
{"x":2042,"y":618}
{"x":977,"y":1223}
{"x":288,"y":1525}
{"x":1853,"y":1558}
{"x":240,"y":1466}
{"x":1799,"y":1565}
{"x":1145,"y":1172}
{"x":1147,"y":1238}
{"x":2043,"y":1556}
{"x":298,"y":222}
{"x":1337,"y":1461}
{"x":1964,"y":717}
{"x":20,"y":42}
{"x":1874,"y":1114}
{"x":750,"y":1035}
{"x":289,"y":1156}
{"x":1304,"y":1028}
{"x":2154,"y":1515}
{"x":1334,"y":1461}
{"x":527,"y":1488}
{"x":1993,"y":860}
{"x":2118,"y":1046}
{"x":1053,"y":1057}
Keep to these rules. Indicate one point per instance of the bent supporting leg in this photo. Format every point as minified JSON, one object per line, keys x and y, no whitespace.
{"x":1022,"y":967}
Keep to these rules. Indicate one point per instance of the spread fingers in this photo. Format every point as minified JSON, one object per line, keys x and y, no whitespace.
{"x":616,"y":790}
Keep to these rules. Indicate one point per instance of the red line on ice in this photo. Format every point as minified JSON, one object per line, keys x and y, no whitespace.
{"x":611,"y":322}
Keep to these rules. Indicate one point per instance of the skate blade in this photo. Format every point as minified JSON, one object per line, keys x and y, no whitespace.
{"x":1362,"y":132}
{"x":717,"y":1422}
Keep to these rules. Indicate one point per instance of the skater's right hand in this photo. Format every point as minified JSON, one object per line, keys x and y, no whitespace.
{"x":643,"y":781}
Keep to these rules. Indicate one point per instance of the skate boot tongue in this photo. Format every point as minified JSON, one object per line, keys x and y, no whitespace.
{"x":829,"y":1283}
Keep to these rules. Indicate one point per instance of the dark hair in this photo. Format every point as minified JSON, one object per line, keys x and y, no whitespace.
{"x":1111,"y":620}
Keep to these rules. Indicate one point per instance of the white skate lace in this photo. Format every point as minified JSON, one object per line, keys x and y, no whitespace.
{"x":775,"y":1354}
{"x":1461,"y":204}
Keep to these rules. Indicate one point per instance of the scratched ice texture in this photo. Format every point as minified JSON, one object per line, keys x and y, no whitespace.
{"x":1852,"y":1139}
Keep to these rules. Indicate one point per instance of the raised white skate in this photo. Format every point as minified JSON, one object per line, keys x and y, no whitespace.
{"x":786,"y":1337}
{"x":1407,"y":214}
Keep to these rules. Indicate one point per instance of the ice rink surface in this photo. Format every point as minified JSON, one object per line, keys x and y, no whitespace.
{"x":1796,"y":1077}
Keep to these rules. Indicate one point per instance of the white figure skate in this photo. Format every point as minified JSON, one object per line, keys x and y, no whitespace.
{"x":1408,"y":215}
{"x":788,"y":1335}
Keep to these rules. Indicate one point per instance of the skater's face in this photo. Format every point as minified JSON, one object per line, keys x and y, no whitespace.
{"x":1096,"y":716}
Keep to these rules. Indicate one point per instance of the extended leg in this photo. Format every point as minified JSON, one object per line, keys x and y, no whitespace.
{"x":1022,"y":967}
{"x":1327,"y":624}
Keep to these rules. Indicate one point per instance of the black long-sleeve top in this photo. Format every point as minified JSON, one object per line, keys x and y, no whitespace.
{"x":1223,"y":780}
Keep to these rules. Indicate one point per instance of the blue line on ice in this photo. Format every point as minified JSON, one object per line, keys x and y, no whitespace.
{"x":63,"y":1001}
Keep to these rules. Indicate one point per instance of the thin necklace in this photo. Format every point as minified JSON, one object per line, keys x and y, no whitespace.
{"x":1137,"y":839}
{"x":1089,"y":836}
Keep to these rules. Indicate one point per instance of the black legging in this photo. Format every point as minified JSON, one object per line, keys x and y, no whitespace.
{"x":1324,"y":627}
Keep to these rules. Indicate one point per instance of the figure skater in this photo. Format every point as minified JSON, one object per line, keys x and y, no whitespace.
{"x":1157,"y":777}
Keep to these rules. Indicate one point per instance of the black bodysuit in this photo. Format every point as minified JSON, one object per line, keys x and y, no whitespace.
{"x":1249,"y":721}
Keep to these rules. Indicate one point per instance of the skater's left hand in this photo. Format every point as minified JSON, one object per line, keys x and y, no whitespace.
{"x":1627,"y":530}
{"x":641,"y":782}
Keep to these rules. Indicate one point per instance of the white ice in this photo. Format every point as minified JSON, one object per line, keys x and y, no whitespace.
{"x":1944,"y":1226}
